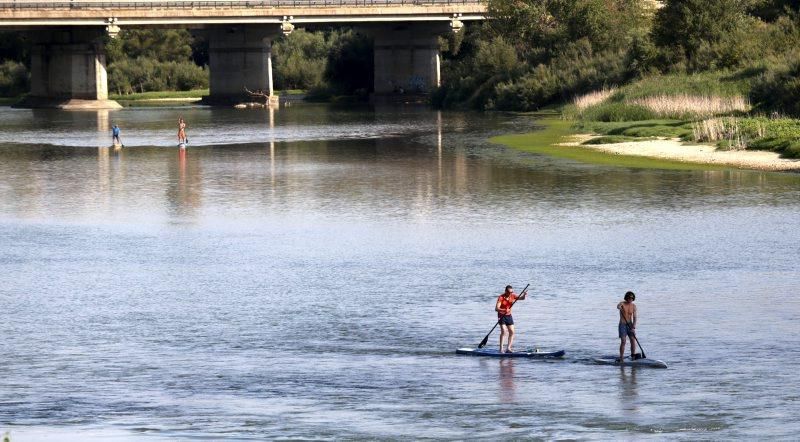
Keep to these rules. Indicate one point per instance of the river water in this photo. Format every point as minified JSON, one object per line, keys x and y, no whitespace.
{"x":309,"y":272}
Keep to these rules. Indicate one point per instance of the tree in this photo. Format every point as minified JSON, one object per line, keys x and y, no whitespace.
{"x":683,"y":27}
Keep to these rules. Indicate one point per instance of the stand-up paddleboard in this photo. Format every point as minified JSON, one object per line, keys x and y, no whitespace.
{"x":182,"y":145}
{"x":494,"y":353}
{"x":627,"y":362}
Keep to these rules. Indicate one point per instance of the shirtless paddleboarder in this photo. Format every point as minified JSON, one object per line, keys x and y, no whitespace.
{"x":182,"y":140}
{"x":627,"y":325}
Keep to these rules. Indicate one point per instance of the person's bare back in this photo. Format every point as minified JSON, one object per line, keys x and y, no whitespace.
{"x":627,"y":312}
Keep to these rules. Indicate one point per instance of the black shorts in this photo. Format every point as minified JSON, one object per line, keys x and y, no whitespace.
{"x":506,"y":320}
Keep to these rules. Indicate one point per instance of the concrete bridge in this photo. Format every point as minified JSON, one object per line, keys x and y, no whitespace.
{"x":68,"y":68}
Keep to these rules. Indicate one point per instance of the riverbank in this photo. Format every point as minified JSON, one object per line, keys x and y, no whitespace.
{"x":560,"y":138}
{"x":676,"y":150}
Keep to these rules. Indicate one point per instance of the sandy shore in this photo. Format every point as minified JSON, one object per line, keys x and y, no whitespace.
{"x":674,"y":149}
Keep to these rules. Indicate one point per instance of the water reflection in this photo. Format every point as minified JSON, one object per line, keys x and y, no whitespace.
{"x":184,"y":189}
{"x":427,"y":162}
{"x":629,"y":391}
{"x":507,"y":387}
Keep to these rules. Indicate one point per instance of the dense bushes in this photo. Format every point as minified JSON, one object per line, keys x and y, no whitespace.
{"x":564,"y":48}
{"x":128,"y":76}
{"x":535,"y":52}
{"x":299,"y":60}
{"x":330,"y":62}
{"x":145,"y":60}
{"x":777,"y":89}
{"x":14,"y":79}
{"x":575,"y":71}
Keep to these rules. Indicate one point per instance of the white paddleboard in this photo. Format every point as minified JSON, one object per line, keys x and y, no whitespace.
{"x":493,"y":352}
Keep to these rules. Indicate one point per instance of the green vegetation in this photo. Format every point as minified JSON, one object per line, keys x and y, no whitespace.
{"x":147,"y":60}
{"x":326,"y":63}
{"x":14,"y":79}
{"x":643,"y":129}
{"x":157,"y":95}
{"x":555,"y":131}
{"x":535,"y":53}
{"x":718,"y":71}
{"x":611,"y":139}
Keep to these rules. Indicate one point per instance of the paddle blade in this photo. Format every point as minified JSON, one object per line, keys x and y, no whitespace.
{"x":483,"y":343}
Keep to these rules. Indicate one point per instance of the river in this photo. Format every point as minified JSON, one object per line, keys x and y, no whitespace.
{"x":309,"y":272}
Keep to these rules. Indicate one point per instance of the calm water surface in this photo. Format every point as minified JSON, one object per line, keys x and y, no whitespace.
{"x":309,"y":272}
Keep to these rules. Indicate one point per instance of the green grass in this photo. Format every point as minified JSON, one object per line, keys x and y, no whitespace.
{"x":644,"y":128}
{"x":8,"y":101}
{"x":718,"y":83}
{"x":612,"y":139}
{"x":197,"y":93}
{"x":555,"y":131}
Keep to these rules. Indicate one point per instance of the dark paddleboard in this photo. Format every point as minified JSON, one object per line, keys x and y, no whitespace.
{"x":494,"y":353}
{"x":627,"y":362}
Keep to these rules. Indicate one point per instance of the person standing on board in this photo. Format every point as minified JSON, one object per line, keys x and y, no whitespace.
{"x":627,"y":325}
{"x":182,"y":131}
{"x":503,"y":309}
{"x":115,"y":136}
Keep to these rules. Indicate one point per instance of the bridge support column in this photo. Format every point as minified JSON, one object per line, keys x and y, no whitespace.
{"x":68,"y":70}
{"x":240,"y":60}
{"x":407,"y":58}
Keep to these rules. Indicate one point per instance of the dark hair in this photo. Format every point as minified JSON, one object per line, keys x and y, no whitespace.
{"x":509,"y":287}
{"x":631,"y":295}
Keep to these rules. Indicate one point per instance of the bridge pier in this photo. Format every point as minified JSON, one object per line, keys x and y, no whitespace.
{"x":407,"y":59}
{"x":240,"y":59}
{"x":68,"y":70}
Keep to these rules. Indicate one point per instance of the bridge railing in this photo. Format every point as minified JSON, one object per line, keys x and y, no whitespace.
{"x":215,"y":4}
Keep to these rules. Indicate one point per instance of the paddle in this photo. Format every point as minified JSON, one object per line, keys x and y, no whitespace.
{"x":486,"y":339}
{"x":632,"y":335}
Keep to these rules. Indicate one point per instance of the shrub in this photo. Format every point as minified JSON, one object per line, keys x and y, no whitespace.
{"x":299,"y":59}
{"x":788,"y":148}
{"x":778,"y":89}
{"x":14,"y":79}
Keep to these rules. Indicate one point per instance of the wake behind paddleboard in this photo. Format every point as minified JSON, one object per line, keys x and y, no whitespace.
{"x":627,"y":362}
{"x":531,"y":353}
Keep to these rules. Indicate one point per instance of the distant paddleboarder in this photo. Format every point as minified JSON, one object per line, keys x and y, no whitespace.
{"x":627,"y":325}
{"x":182,"y":131}
{"x":115,"y":136}
{"x":503,"y":309}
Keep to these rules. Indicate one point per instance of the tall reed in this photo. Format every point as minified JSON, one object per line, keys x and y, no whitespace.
{"x":592,"y":98}
{"x":728,"y":130}
{"x":692,"y":106}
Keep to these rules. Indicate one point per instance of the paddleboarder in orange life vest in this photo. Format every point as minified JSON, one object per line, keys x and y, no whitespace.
{"x":503,"y":309}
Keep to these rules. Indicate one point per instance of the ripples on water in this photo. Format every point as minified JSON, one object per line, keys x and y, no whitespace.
{"x":309,"y":272}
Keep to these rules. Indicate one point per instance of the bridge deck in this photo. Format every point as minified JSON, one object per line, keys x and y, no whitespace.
{"x":132,"y":13}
